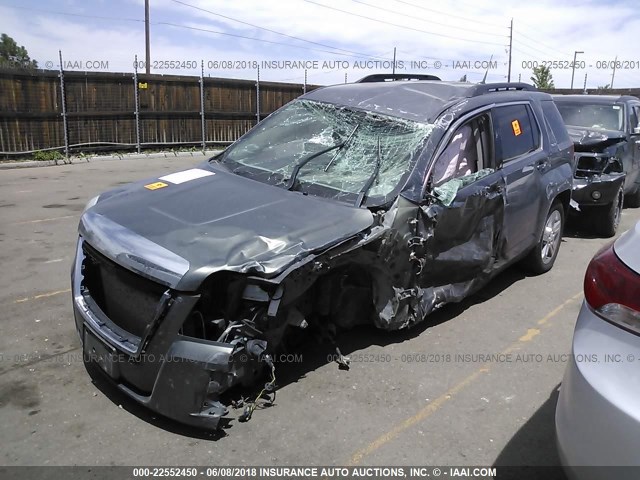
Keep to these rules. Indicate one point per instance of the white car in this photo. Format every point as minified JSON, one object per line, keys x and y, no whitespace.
{"x":598,"y":411}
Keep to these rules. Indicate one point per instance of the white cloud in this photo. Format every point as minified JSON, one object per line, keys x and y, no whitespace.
{"x":544,"y":30}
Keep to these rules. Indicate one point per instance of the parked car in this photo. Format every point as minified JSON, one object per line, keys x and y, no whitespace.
{"x":606,"y":135}
{"x":375,"y":202}
{"x":598,"y":414}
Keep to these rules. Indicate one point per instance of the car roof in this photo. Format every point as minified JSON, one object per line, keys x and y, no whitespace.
{"x":594,"y":98}
{"x":421,"y":100}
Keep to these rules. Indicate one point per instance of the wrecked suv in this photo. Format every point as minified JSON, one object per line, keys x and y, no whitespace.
{"x":606,"y":134}
{"x":366,"y":203}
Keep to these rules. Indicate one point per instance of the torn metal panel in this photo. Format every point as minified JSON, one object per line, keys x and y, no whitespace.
{"x":451,"y":251}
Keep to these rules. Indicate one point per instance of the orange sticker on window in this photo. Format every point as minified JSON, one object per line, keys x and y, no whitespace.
{"x":515,"y":125}
{"x":156,"y":185}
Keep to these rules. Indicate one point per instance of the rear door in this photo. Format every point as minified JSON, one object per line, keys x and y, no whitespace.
{"x":522,"y":163}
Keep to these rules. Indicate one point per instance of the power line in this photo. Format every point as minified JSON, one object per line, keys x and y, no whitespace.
{"x":73,"y":14}
{"x":261,"y":40}
{"x":526,"y":45}
{"x":403,"y":26}
{"x":413,"y":17}
{"x":473,"y":20}
{"x":272,"y":31}
{"x":539,"y":42}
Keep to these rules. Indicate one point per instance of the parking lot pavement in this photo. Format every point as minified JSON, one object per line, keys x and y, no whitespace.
{"x":475,"y":385}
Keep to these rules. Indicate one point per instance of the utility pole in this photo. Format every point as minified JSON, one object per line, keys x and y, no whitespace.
{"x":394,"y":60}
{"x":146,"y":38}
{"x":510,"y":47}
{"x":573,"y":70}
{"x":613,"y":75}
{"x":585,"y":84}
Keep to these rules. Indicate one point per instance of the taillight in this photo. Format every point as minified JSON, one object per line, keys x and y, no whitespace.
{"x":613,"y":290}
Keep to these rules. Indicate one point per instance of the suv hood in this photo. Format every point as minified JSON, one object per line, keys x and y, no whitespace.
{"x":180,"y":233}
{"x":590,"y":138}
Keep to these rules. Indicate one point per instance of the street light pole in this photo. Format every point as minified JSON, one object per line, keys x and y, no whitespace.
{"x":573,"y":70}
{"x":147,"y":47}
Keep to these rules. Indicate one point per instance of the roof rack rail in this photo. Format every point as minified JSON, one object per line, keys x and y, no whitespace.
{"x":391,"y":77}
{"x":483,"y":88}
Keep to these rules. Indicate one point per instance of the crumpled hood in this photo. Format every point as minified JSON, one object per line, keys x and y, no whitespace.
{"x":181,"y":233}
{"x":587,"y":137}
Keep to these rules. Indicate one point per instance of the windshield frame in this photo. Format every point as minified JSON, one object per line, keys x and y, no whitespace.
{"x":324,"y":191}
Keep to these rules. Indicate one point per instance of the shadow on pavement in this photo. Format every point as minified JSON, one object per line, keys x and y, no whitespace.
{"x":531,"y":454}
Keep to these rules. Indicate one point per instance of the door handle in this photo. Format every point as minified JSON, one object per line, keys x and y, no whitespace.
{"x":527,"y":169}
{"x":542,"y":164}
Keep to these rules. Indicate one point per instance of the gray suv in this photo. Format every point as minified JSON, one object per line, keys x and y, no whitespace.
{"x":606,"y":134}
{"x":376,"y":202}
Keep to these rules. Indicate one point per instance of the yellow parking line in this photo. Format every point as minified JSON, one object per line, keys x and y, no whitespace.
{"x":435,"y":405}
{"x":42,"y":295}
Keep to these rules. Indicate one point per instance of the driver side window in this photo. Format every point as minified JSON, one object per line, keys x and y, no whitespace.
{"x":467,"y":152}
{"x":635,"y":117}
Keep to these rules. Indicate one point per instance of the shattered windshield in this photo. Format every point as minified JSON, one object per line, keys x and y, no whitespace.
{"x":598,"y":115}
{"x":299,"y":133}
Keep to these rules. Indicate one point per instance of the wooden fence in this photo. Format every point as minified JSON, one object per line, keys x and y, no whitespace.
{"x":109,"y":111}
{"x":100,"y":110}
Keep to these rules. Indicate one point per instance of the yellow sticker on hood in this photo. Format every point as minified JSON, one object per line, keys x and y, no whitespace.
{"x":156,"y":185}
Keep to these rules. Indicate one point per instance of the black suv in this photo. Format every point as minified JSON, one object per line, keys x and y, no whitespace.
{"x":606,"y":134}
{"x":375,"y":202}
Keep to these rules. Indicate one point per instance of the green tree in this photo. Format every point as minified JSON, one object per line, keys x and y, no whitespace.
{"x":542,"y":78}
{"x":16,"y":55}
{"x":602,"y":88}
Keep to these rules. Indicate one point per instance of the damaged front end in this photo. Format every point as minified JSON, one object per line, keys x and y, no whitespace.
{"x":599,"y":173}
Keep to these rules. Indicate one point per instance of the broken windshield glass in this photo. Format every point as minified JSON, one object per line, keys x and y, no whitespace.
{"x":303,"y":129}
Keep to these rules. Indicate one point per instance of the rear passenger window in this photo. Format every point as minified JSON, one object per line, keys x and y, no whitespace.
{"x":555,"y":121}
{"x":516,"y":132}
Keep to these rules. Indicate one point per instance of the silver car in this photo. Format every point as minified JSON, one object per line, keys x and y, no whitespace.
{"x":598,"y":411}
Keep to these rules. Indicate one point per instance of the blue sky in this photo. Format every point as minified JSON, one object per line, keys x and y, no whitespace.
{"x":334,"y":38}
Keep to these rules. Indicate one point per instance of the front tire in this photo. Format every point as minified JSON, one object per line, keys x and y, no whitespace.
{"x":543,"y":255}
{"x":606,"y":219}
{"x":633,"y":200}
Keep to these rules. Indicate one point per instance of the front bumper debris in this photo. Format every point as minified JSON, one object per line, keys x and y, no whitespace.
{"x":177,"y":376}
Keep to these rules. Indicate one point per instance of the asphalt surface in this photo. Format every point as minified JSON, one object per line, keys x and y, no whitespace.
{"x":410,"y":398}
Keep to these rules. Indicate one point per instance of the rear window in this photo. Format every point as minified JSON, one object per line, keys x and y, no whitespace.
{"x":555,"y":122}
{"x":516,"y":132}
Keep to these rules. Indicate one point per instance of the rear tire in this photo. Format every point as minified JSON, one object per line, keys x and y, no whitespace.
{"x":542,"y":257}
{"x":633,"y":200}
{"x":606,"y":219}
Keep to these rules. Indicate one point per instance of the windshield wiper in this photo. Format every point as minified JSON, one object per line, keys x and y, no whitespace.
{"x":372,"y":177}
{"x":304,"y":161}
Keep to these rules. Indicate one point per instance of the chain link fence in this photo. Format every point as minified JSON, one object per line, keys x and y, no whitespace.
{"x":72,"y":112}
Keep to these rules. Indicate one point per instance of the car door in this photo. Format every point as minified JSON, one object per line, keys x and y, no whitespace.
{"x":633,"y":175}
{"x":522,"y":163}
{"x":461,"y":218}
